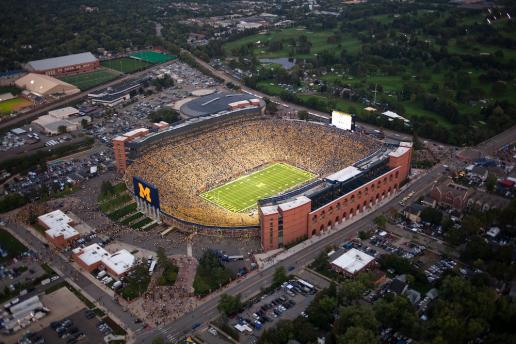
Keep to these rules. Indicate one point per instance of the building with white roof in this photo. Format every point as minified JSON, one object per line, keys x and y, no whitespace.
{"x":23,"y":314}
{"x":394,"y":115}
{"x":44,"y":85}
{"x":67,"y":117}
{"x":96,"y":257}
{"x":344,"y":174}
{"x":75,"y":63}
{"x":59,"y":228}
{"x":352,"y":262}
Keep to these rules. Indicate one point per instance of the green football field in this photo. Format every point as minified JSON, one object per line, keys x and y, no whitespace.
{"x":242,"y":194}
{"x":125,"y":64}
{"x":13,"y":104}
{"x":88,"y":80}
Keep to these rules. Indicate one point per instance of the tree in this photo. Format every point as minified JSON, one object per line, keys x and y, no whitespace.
{"x":397,"y":312}
{"x":229,"y":305}
{"x":351,"y":291}
{"x":280,"y":276}
{"x":418,"y":145}
{"x":380,"y":221}
{"x":61,"y":129}
{"x":359,"y":315}
{"x":303,"y":115}
{"x":491,"y":182}
{"x":162,"y":257}
{"x":432,"y":215}
{"x":282,"y":333}
{"x":158,"y":340}
{"x":320,"y":311}
{"x":164,"y":114}
{"x":106,"y":188}
{"x":271,"y":107}
{"x":357,"y":335}
{"x":304,"y":331}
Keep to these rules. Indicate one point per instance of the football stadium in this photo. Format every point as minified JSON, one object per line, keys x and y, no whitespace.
{"x":240,"y":171}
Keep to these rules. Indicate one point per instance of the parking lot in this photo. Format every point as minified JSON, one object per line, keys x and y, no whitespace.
{"x":287,"y":302}
{"x":78,"y":327}
{"x":62,"y":173}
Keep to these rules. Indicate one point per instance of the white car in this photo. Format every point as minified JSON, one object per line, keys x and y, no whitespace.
{"x":212,"y":331}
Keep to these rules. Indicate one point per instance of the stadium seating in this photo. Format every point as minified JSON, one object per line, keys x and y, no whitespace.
{"x":184,"y":169}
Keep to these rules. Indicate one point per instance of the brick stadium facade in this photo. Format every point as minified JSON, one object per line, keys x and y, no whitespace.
{"x":63,"y":65}
{"x":303,"y":217}
{"x":72,"y":69}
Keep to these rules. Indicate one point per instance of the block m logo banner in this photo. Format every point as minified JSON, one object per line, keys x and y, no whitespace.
{"x":146,"y":192}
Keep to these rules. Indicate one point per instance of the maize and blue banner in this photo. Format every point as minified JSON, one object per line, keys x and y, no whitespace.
{"x":146,"y":191}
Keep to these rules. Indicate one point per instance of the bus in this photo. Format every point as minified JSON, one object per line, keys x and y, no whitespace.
{"x":227,"y":258}
{"x":152,"y":267}
{"x":306,"y":284}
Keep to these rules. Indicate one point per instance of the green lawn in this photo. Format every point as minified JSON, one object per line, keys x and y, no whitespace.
{"x":269,"y":87}
{"x":125,"y":64}
{"x":14,"y":104}
{"x":10,"y":245}
{"x":88,"y":80}
{"x":241,"y":194}
{"x":318,"y":39}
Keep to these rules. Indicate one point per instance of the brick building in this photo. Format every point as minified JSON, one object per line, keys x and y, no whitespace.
{"x":95,"y":257}
{"x":451,"y":195}
{"x":119,"y":147}
{"x":59,"y":230}
{"x":343,"y":195}
{"x":62,"y":65}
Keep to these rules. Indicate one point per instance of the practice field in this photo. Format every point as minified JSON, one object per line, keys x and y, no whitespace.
{"x":14,"y":104}
{"x":242,"y":194}
{"x":125,"y":64}
{"x":88,"y":80}
{"x":152,"y":56}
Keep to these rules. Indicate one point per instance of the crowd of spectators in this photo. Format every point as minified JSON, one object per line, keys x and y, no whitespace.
{"x":184,"y":169}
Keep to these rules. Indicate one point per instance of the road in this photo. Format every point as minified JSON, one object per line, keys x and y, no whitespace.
{"x":67,"y":271}
{"x":254,"y":282}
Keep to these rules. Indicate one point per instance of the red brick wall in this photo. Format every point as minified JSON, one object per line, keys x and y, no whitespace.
{"x":60,"y":241}
{"x":88,"y":268}
{"x":120,"y":156}
{"x":295,"y":223}
{"x":268,"y":224}
{"x":354,"y":202}
{"x":402,"y":161}
{"x":73,"y":69}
